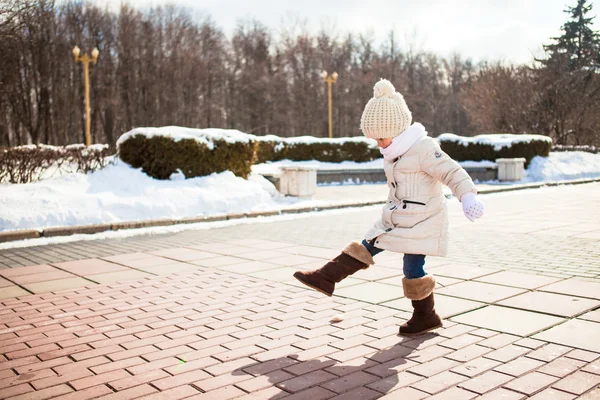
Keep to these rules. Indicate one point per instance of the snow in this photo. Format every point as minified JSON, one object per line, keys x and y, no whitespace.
{"x":208,"y":135}
{"x":177,"y":133}
{"x":497,"y":140}
{"x":478,"y":164}
{"x":120,"y":193}
{"x":563,"y":166}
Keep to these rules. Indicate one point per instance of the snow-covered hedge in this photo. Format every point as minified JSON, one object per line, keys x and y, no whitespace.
{"x":494,"y":146}
{"x":31,"y":163}
{"x":195,"y":152}
{"x":305,"y":148}
{"x":587,"y":149}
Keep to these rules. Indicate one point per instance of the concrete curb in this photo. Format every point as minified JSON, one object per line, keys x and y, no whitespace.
{"x":10,"y":236}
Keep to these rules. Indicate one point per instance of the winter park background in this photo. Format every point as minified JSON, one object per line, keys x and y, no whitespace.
{"x":164,"y":66}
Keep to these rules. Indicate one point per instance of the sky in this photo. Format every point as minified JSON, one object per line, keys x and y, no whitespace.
{"x":500,"y":30}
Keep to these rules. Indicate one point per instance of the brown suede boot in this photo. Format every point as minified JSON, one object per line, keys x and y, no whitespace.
{"x":354,"y":257}
{"x":424,"y":318}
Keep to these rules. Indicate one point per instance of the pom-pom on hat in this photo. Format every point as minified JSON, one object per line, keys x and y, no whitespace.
{"x":386,"y":114}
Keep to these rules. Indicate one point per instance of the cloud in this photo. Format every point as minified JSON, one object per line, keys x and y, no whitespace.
{"x":509,"y":30}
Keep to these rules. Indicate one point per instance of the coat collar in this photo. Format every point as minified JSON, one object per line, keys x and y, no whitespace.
{"x":403,"y":142}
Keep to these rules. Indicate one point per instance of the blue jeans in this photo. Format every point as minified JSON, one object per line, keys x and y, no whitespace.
{"x":413,"y":263}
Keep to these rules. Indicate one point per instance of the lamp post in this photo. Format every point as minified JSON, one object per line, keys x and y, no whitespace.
{"x":329,"y":79}
{"x":85,"y":60}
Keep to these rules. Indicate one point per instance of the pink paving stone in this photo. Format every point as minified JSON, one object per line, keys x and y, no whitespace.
{"x":507,"y":353}
{"x":311,"y":365}
{"x":305,"y":381}
{"x":561,"y":367}
{"x":578,"y":382}
{"x":348,"y":382}
{"x":179,"y":392}
{"x":593,"y":367}
{"x":531,"y":383}
{"x":27,"y":377}
{"x":136,"y":380}
{"x":549,"y":352}
{"x":519,"y":366}
{"x":583,"y":355}
{"x":502,"y":394}
{"x":361,"y":393}
{"x":264,"y":381}
{"x":49,"y":393}
{"x":391,"y":367}
{"x":453,"y":394}
{"x":99,"y":379}
{"x":316,"y":393}
{"x":15,"y":390}
{"x":553,"y":394}
{"x":486,"y":382}
{"x":433,"y":367}
{"x":224,"y":393}
{"x":439,"y":382}
{"x":92,"y":266}
{"x":468,"y":353}
{"x":575,"y":333}
{"x":131,"y":393}
{"x":21,"y":271}
{"x":272,"y":393}
{"x":41,"y":277}
{"x":90,"y":393}
{"x":593,"y":394}
{"x":348,"y":367}
{"x":394,"y":382}
{"x":498,"y":341}
{"x":532,"y":344}
{"x":475,"y":367}
{"x":405,"y":394}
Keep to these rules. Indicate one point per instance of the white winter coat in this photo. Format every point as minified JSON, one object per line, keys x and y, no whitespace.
{"x":415,"y":218}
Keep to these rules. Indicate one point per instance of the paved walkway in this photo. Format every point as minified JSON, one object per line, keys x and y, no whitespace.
{"x":213,"y":314}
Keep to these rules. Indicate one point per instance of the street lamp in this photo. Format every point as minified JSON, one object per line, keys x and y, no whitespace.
{"x":85,"y":60}
{"x":329,"y":79}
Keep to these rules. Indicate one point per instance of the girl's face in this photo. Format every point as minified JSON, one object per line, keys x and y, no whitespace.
{"x":385,"y":142}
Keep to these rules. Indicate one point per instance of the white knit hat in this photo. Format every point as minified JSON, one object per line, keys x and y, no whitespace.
{"x":386,"y":114}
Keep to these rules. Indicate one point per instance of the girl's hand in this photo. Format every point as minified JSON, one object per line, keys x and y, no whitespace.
{"x":472,"y":207}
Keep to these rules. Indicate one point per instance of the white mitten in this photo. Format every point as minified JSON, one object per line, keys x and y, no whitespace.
{"x":472,"y":207}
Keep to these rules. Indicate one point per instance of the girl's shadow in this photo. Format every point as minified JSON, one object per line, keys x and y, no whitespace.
{"x":383,"y":365}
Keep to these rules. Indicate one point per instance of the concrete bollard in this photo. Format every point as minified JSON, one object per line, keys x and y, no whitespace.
{"x":510,"y":169}
{"x":298,"y":181}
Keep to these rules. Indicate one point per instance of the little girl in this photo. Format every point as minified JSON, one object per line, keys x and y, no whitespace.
{"x":414,"y":221}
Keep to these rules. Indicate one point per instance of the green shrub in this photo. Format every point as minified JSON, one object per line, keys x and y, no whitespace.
{"x":160,"y":156}
{"x":484,"y":147}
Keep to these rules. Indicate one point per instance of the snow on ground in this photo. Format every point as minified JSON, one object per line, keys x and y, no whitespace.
{"x":121,"y":193}
{"x":563,"y":166}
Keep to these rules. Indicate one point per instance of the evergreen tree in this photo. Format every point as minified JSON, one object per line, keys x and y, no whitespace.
{"x":579,"y":45}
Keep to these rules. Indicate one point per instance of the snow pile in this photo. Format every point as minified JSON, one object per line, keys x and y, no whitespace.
{"x":563,"y":166}
{"x":121,"y":193}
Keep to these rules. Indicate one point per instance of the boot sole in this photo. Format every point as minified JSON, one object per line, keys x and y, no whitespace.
{"x":313,"y":287}
{"x":420,"y":332}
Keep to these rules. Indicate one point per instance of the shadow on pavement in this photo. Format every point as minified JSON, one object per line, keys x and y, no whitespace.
{"x":384,"y":365}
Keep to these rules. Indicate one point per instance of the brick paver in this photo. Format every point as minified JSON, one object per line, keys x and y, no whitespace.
{"x":215,"y":313}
